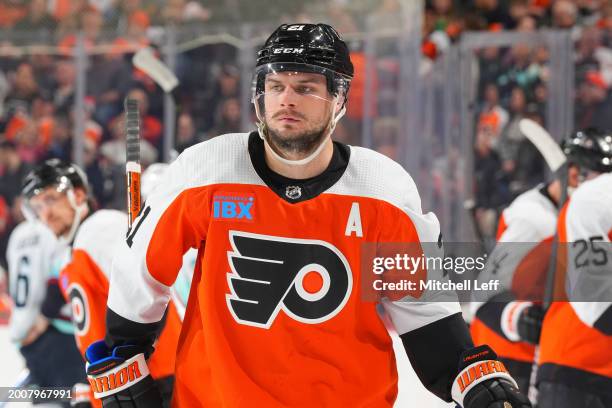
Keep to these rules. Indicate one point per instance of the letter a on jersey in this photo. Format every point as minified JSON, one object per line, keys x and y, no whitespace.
{"x":272,"y":273}
{"x":353,"y":224}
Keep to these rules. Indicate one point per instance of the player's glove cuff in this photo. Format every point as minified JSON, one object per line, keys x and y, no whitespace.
{"x":476,"y":366}
{"x":510,"y":319}
{"x":111,"y":372}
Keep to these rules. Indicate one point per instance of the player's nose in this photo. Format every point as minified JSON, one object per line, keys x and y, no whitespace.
{"x":288,"y":97}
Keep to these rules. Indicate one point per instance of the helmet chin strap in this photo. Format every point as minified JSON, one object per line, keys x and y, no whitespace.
{"x":79,"y":211}
{"x":261,"y":130}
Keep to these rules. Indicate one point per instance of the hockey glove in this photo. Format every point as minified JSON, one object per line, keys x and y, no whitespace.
{"x":484,"y":382}
{"x":120,"y":377}
{"x":522,"y":321}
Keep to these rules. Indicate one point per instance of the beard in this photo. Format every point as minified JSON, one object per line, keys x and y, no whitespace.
{"x":302,"y":143}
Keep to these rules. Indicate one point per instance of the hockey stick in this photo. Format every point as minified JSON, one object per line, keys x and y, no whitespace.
{"x":557,"y":162}
{"x":146,"y":61}
{"x":132,"y":159}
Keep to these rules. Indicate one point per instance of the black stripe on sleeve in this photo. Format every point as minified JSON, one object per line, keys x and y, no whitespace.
{"x":120,"y":331}
{"x":434,"y":351}
{"x":491,"y":312}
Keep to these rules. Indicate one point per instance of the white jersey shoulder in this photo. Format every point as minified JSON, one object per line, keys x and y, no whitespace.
{"x":30,"y":249}
{"x":588,"y":223}
{"x":589,"y":211}
{"x":99,"y":235}
{"x":222,"y":159}
{"x":531,"y":217}
{"x":372,"y":174}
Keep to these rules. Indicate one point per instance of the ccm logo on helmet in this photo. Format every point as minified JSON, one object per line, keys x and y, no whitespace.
{"x":309,"y":280}
{"x":288,"y":50}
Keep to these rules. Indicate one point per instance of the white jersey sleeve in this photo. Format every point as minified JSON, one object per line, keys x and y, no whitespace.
{"x":29,"y":253}
{"x":523,"y":244}
{"x":588,"y":224}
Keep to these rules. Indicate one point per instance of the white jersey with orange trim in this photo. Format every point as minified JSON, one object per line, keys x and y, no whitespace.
{"x":589,"y":266}
{"x":576,"y":341}
{"x":278,"y":314}
{"x":520,"y":261}
{"x":525,"y":232}
{"x":29,"y":253}
{"x":85,"y":278}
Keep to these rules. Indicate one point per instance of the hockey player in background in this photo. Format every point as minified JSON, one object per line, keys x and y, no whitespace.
{"x":56,"y":193}
{"x":40,"y":322}
{"x":510,"y":320}
{"x":276,"y":316}
{"x":575,"y":364}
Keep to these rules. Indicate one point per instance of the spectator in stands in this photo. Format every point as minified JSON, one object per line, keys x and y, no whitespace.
{"x":594,"y":102}
{"x":24,"y":88}
{"x":37,"y":21}
{"x":492,"y":113}
{"x":118,"y":17}
{"x":228,"y":117}
{"x":490,"y":183}
{"x":186,"y":135}
{"x":12,"y":169}
{"x":564,"y":14}
{"x":65,"y":77}
{"x":61,"y":142}
{"x":512,"y":135}
{"x":494,"y":13}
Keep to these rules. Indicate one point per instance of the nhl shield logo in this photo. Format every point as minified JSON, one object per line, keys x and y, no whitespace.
{"x":293,"y":192}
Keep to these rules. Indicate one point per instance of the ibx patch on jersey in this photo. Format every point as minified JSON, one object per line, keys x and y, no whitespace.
{"x":234,"y":206}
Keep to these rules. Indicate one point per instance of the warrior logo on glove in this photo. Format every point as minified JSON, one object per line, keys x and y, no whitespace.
{"x":310,"y":280}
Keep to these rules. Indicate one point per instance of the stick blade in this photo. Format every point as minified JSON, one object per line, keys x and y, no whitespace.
{"x":146,"y":61}
{"x":543,"y":141}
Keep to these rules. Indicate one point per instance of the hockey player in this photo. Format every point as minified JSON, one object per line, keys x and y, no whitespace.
{"x":510,"y":320}
{"x":57,"y":194}
{"x":40,"y":322}
{"x":276,"y":316}
{"x":576,"y":343}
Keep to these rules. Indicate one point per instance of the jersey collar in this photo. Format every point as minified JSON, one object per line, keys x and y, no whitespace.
{"x":292,"y":190}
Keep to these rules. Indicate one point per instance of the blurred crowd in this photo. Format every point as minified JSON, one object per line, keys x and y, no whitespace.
{"x":38,"y":76}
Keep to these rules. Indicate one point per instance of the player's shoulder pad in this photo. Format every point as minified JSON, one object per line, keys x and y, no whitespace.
{"x":589,"y":207}
{"x":101,"y":230}
{"x":31,"y":233}
{"x":222,"y":159}
{"x":533,"y":212}
{"x":374,"y":175}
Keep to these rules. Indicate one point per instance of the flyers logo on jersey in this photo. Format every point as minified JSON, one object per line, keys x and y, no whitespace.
{"x":309,"y":280}
{"x":80,"y":308}
{"x":233,"y":206}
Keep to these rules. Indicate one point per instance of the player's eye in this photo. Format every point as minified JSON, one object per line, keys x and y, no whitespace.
{"x":275,"y":88}
{"x":304,"y":89}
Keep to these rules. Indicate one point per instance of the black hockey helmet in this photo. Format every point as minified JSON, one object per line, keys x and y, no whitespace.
{"x":590,"y":149}
{"x":315,"y":48}
{"x":53,"y":172}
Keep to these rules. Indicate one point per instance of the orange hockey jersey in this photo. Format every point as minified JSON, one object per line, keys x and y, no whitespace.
{"x":85,"y":280}
{"x":573,"y":348}
{"x":277,"y":315}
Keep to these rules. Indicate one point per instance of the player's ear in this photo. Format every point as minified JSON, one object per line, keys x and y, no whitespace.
{"x":80,"y":196}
